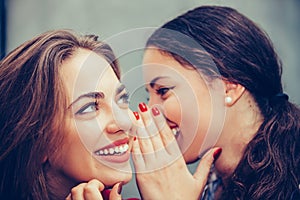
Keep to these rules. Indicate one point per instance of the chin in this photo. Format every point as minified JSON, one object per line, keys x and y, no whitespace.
{"x":127,"y":177}
{"x":124,"y":177}
{"x":222,"y":169}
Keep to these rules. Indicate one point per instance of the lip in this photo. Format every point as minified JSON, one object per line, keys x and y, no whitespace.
{"x":171,"y":123}
{"x":116,"y":157}
{"x":116,"y":143}
{"x":172,"y":126}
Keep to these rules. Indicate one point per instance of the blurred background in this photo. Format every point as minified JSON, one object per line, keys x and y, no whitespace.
{"x":23,"y":19}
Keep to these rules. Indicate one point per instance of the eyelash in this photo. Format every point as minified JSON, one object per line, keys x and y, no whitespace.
{"x":82,"y":110}
{"x":125,"y":99}
{"x":164,"y":90}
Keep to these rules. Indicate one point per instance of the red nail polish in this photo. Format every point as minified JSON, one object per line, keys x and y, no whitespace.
{"x":134,"y":138}
{"x":217,"y":153}
{"x":155,"y":111}
{"x":137,"y":116}
{"x":143,"y":107}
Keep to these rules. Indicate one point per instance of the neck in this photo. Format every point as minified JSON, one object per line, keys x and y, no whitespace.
{"x":241,"y":124}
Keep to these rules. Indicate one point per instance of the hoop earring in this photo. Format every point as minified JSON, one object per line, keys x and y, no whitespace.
{"x":228,"y":99}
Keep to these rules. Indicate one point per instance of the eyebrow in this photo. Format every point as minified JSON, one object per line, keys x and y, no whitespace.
{"x":96,"y":95}
{"x":91,"y":95}
{"x":153,"y":81}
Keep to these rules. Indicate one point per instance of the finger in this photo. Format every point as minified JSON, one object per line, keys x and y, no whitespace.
{"x":77,"y":192}
{"x":152,"y":130}
{"x":205,"y":164}
{"x":141,"y":131}
{"x":115,"y":193}
{"x":137,"y":156}
{"x":142,"y":150}
{"x":69,"y":197}
{"x":92,"y":190}
{"x":154,"y":155}
{"x":166,"y":135}
{"x":156,"y":139}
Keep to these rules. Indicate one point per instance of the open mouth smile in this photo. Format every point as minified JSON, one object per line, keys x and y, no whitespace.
{"x":117,"y":152}
{"x":121,"y":149}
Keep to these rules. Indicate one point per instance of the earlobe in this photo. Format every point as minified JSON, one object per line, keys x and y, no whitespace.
{"x":233,"y":91}
{"x":228,"y":100}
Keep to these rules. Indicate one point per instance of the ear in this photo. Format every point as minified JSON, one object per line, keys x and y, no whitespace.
{"x":233,"y":91}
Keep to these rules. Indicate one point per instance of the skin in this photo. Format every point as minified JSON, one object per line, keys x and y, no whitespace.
{"x":192,"y":100}
{"x":90,"y":126}
{"x":187,"y":100}
{"x":156,"y":152}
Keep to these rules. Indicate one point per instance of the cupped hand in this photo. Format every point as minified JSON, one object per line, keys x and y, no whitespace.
{"x":92,"y":191}
{"x":161,"y":172}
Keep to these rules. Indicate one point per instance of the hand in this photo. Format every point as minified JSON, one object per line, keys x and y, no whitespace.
{"x":161,"y":170}
{"x":92,"y":191}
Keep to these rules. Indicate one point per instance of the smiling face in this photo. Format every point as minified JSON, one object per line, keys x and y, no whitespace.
{"x":192,"y":106}
{"x":96,"y":144}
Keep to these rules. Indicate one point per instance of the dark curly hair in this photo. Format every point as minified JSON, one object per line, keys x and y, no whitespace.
{"x":243,"y":54}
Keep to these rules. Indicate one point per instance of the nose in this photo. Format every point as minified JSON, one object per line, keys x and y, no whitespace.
{"x":120,"y":120}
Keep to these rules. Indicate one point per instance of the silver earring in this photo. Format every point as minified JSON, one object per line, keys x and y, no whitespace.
{"x":228,"y":99}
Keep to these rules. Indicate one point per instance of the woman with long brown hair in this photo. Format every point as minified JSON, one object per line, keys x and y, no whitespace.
{"x":64,"y":119}
{"x":217,"y":79}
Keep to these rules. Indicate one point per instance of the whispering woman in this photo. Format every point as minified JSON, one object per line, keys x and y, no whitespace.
{"x":216,"y":78}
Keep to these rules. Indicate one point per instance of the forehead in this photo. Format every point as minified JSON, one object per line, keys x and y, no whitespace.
{"x":156,"y":63}
{"x":87,"y":72}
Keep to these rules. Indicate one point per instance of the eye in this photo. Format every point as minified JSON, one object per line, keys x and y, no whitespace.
{"x":162,"y":91}
{"x":123,"y":100}
{"x":88,"y":108}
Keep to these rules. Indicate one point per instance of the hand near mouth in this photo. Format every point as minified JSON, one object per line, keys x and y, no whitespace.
{"x":161,"y":171}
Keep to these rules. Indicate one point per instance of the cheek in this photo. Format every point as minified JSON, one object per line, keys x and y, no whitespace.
{"x":172,"y":110}
{"x":89,"y":132}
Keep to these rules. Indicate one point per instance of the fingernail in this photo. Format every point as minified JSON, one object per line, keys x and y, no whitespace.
{"x":137,"y":116}
{"x":217,"y":153}
{"x":155,"y":111}
{"x":143,"y":107}
{"x":134,"y":138}
{"x":120,"y":187}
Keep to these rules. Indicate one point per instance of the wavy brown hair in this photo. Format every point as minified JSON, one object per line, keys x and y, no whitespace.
{"x":243,"y":54}
{"x":33,"y":107}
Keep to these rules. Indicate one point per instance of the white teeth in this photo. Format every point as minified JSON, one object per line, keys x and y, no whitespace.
{"x":113,"y":151}
{"x":121,"y":148}
{"x":175,"y":131}
{"x":117,"y":149}
{"x":126,"y":147}
{"x":105,"y":151}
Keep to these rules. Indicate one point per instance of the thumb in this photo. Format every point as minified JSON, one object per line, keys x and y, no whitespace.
{"x":115,"y":193}
{"x":203,"y":169}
